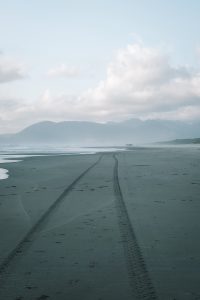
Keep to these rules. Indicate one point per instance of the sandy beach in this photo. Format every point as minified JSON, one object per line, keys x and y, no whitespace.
{"x":107,"y":226}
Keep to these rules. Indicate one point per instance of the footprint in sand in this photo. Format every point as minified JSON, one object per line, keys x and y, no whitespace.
{"x":27,"y":273}
{"x":42,"y":297}
{"x":31,"y":287}
{"x":92,"y":265}
{"x":73,"y":282}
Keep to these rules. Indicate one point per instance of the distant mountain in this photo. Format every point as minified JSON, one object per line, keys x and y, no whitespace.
{"x":76,"y":133}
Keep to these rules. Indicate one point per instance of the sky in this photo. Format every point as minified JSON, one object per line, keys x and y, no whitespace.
{"x":100,"y":61}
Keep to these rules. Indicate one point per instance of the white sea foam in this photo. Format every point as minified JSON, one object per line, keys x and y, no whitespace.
{"x":15,"y":154}
{"x":3,"y":174}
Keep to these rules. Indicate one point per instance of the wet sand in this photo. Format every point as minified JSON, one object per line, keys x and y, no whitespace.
{"x":119,"y":231}
{"x":162,"y":193}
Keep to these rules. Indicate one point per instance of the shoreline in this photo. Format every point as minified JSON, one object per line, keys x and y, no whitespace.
{"x":10,"y":155}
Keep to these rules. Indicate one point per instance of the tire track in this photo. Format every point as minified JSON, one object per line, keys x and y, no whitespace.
{"x":140,"y":282}
{"x":26,"y":240}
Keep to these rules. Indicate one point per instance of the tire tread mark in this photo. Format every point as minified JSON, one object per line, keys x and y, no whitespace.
{"x":26,"y":239}
{"x":141,"y":285}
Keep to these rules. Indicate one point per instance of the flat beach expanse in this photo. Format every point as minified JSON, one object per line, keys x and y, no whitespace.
{"x":105,"y":226}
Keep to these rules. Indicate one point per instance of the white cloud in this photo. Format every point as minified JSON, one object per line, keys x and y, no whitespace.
{"x":141,"y":82}
{"x":12,"y":114}
{"x":64,"y":71}
{"x":10,"y":70}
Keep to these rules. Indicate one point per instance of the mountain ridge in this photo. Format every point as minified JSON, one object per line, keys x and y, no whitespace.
{"x":92,"y":133}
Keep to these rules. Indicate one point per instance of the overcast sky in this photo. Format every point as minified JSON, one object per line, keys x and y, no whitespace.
{"x":99,"y":60}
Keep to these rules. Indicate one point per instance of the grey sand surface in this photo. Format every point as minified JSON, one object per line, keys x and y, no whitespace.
{"x":80,"y":250}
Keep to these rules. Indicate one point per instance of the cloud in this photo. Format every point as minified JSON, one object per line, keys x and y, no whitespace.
{"x":141,"y":82}
{"x":64,"y":71}
{"x":12,"y":114}
{"x":10,"y":70}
